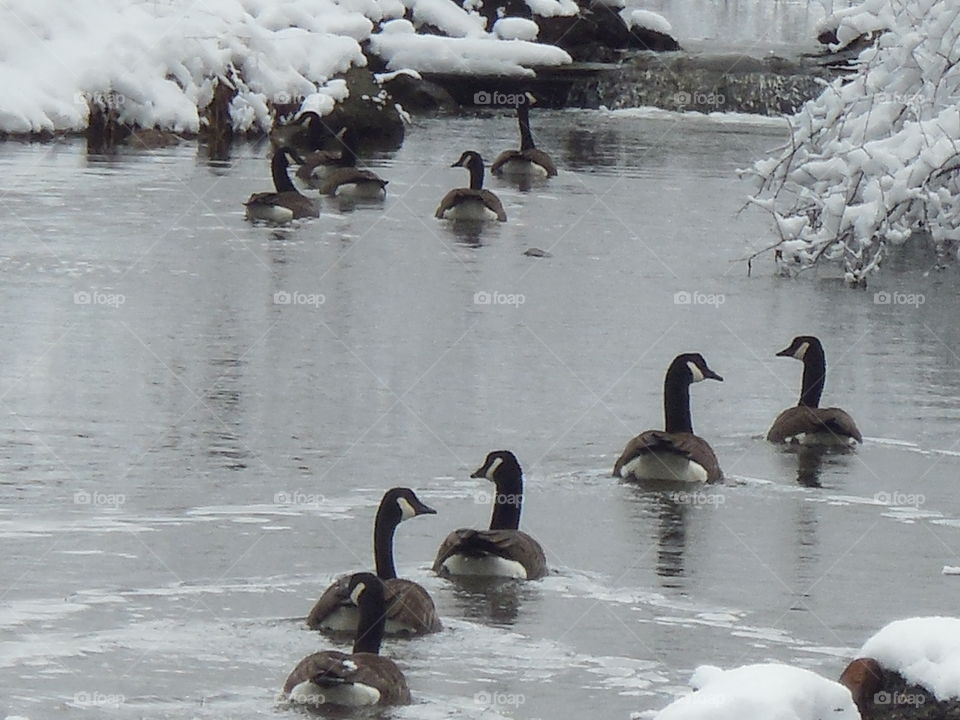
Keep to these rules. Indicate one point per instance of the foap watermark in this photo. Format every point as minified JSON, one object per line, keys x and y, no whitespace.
{"x":103,"y":99}
{"x":697,"y":497}
{"x":484,"y":497}
{"x":684,"y":297}
{"x":283,"y":297}
{"x":482,"y":297}
{"x":900,"y":499}
{"x":99,"y":499}
{"x":899,"y":698}
{"x":711,"y":99}
{"x":96,"y":297}
{"x":885,"y":297}
{"x":298,"y":497}
{"x":88,"y":699}
{"x":492,"y":699}
{"x":495,"y":98}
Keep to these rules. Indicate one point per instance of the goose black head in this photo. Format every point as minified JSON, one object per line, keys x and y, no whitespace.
{"x":308,"y":119}
{"x":364,"y":588}
{"x":401,"y":504}
{"x":500,"y":466}
{"x":800,"y":346}
{"x":469,"y":159}
{"x":692,"y":367}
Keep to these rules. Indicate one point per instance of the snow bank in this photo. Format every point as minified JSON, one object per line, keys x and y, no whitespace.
{"x":769,"y":691}
{"x":924,"y":650}
{"x":469,"y":56}
{"x":156,"y":61}
{"x":646,"y":20}
{"x":874,"y":158}
{"x":514,"y":28}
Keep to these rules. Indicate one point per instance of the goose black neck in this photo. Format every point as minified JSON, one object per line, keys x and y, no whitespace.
{"x":281,"y":179}
{"x":383,"y":529}
{"x":373,"y":621}
{"x":676,"y":403}
{"x":523,"y":119}
{"x":814,"y":377}
{"x":507,"y":504}
{"x":476,"y":174}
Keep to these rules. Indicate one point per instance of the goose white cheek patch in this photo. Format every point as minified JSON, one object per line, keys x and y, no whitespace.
{"x":406,"y":509}
{"x":801,"y":351}
{"x":695,"y":371}
{"x":493,"y":468}
{"x":357,"y":592}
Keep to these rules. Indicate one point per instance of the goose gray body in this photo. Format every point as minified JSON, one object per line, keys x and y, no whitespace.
{"x":286,"y":202}
{"x":473,"y":203}
{"x":409,"y":607}
{"x":361,"y":678}
{"x":503,"y":550}
{"x":674,"y":454}
{"x":807,"y":423}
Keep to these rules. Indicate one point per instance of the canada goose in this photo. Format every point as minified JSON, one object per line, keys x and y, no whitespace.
{"x":318,"y":164}
{"x":529,"y":160}
{"x":361,"y":678}
{"x":807,"y":423}
{"x":473,"y":203}
{"x":503,"y":550}
{"x":410,"y":611}
{"x":287,"y":202}
{"x":347,"y":179}
{"x":674,"y":453}
{"x":307,"y":132}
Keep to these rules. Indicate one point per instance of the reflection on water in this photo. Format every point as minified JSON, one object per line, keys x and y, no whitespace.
{"x":202,"y":399}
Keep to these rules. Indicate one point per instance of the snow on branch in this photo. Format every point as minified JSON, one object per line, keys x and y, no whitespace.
{"x":875,"y":159}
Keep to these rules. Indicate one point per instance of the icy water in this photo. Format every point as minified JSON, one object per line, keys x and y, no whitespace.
{"x":200,"y":415}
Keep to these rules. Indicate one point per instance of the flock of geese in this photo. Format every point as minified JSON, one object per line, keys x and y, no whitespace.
{"x":373,"y":605}
{"x":335,"y":173}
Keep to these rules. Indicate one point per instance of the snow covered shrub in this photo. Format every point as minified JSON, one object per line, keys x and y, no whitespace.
{"x":875,"y":159}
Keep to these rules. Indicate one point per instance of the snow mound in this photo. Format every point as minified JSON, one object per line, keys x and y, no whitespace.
{"x":553,"y":8}
{"x":514,"y":28}
{"x":646,"y":20}
{"x":874,"y":158}
{"x":924,"y":650}
{"x":761,"y":692}
{"x":448,"y":17}
{"x":466,"y":56}
{"x":850,"y":23}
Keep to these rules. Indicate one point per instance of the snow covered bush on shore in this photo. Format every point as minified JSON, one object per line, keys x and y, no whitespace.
{"x":875,"y":159}
{"x":157,"y":61}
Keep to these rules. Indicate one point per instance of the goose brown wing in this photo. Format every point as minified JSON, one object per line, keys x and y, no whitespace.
{"x":331,"y":668}
{"x":503,"y":158}
{"x":346,"y":176}
{"x":802,"y":419}
{"x":334,"y":597}
{"x":691,"y":446}
{"x":410,"y":604}
{"x":538,"y":156}
{"x":300,"y":205}
{"x":493,"y":202}
{"x":513,"y":545}
{"x":316,"y":159}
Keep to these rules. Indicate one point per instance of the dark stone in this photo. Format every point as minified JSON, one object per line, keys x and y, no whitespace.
{"x":369,"y":110}
{"x":418,"y":96}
